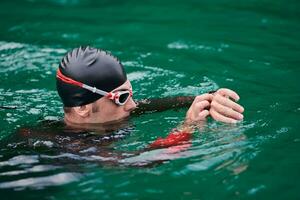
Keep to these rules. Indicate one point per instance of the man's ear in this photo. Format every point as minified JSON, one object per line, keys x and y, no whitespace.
{"x":83,"y":111}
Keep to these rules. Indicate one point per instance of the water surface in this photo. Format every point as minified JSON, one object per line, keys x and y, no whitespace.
{"x":168,"y":49}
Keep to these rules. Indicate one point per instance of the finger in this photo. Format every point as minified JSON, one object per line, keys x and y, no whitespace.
{"x":215,"y":115}
{"x":199,"y":106}
{"x":203,"y":114}
{"x":229,"y":103}
{"x":228,"y":93}
{"x":203,"y":97}
{"x":226,"y":111}
{"x":195,"y":109}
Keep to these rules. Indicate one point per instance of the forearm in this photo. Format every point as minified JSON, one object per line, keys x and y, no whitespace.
{"x":162,"y":104}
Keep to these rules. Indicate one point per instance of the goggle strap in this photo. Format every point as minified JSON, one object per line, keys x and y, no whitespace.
{"x":94,"y":90}
{"x":68,"y":80}
{"x":65,"y":79}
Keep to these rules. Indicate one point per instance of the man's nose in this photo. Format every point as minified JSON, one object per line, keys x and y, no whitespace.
{"x":130,"y":105}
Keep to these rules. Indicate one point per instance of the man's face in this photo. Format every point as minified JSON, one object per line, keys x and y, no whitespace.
{"x":105,"y":110}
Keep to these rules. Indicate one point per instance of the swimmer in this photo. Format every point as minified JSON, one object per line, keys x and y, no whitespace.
{"x":97,"y":101}
{"x":94,"y":89}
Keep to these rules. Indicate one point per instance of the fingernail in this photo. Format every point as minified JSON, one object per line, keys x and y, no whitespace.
{"x":242,"y":110}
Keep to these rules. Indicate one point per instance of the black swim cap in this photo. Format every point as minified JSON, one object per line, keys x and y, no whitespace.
{"x":93,"y":67}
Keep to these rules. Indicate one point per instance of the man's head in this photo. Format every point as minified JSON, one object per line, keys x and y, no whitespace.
{"x":90,"y":82}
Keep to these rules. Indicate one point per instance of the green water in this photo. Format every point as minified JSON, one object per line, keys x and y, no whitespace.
{"x":168,"y":48}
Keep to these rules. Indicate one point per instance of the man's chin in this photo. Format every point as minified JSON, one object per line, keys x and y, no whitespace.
{"x":127,"y":115}
{"x":119,"y":119}
{"x":124,"y":117}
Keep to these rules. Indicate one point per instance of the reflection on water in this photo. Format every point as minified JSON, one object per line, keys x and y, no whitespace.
{"x":41,"y":182}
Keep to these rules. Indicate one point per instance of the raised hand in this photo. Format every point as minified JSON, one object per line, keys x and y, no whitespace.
{"x":224,"y":108}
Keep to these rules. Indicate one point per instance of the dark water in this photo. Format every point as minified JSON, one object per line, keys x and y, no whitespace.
{"x":168,"y":48}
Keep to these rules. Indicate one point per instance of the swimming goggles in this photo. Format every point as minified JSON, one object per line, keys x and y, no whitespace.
{"x":120,"y":97}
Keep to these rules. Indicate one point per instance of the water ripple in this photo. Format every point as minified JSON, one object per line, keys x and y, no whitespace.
{"x":17,"y":57}
{"x":198,"y":47}
{"x":37,"y":168}
{"x":167,"y":82}
{"x":21,"y":159}
{"x":41,"y":182}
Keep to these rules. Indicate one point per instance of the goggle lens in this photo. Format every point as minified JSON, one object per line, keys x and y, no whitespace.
{"x":124,"y":98}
